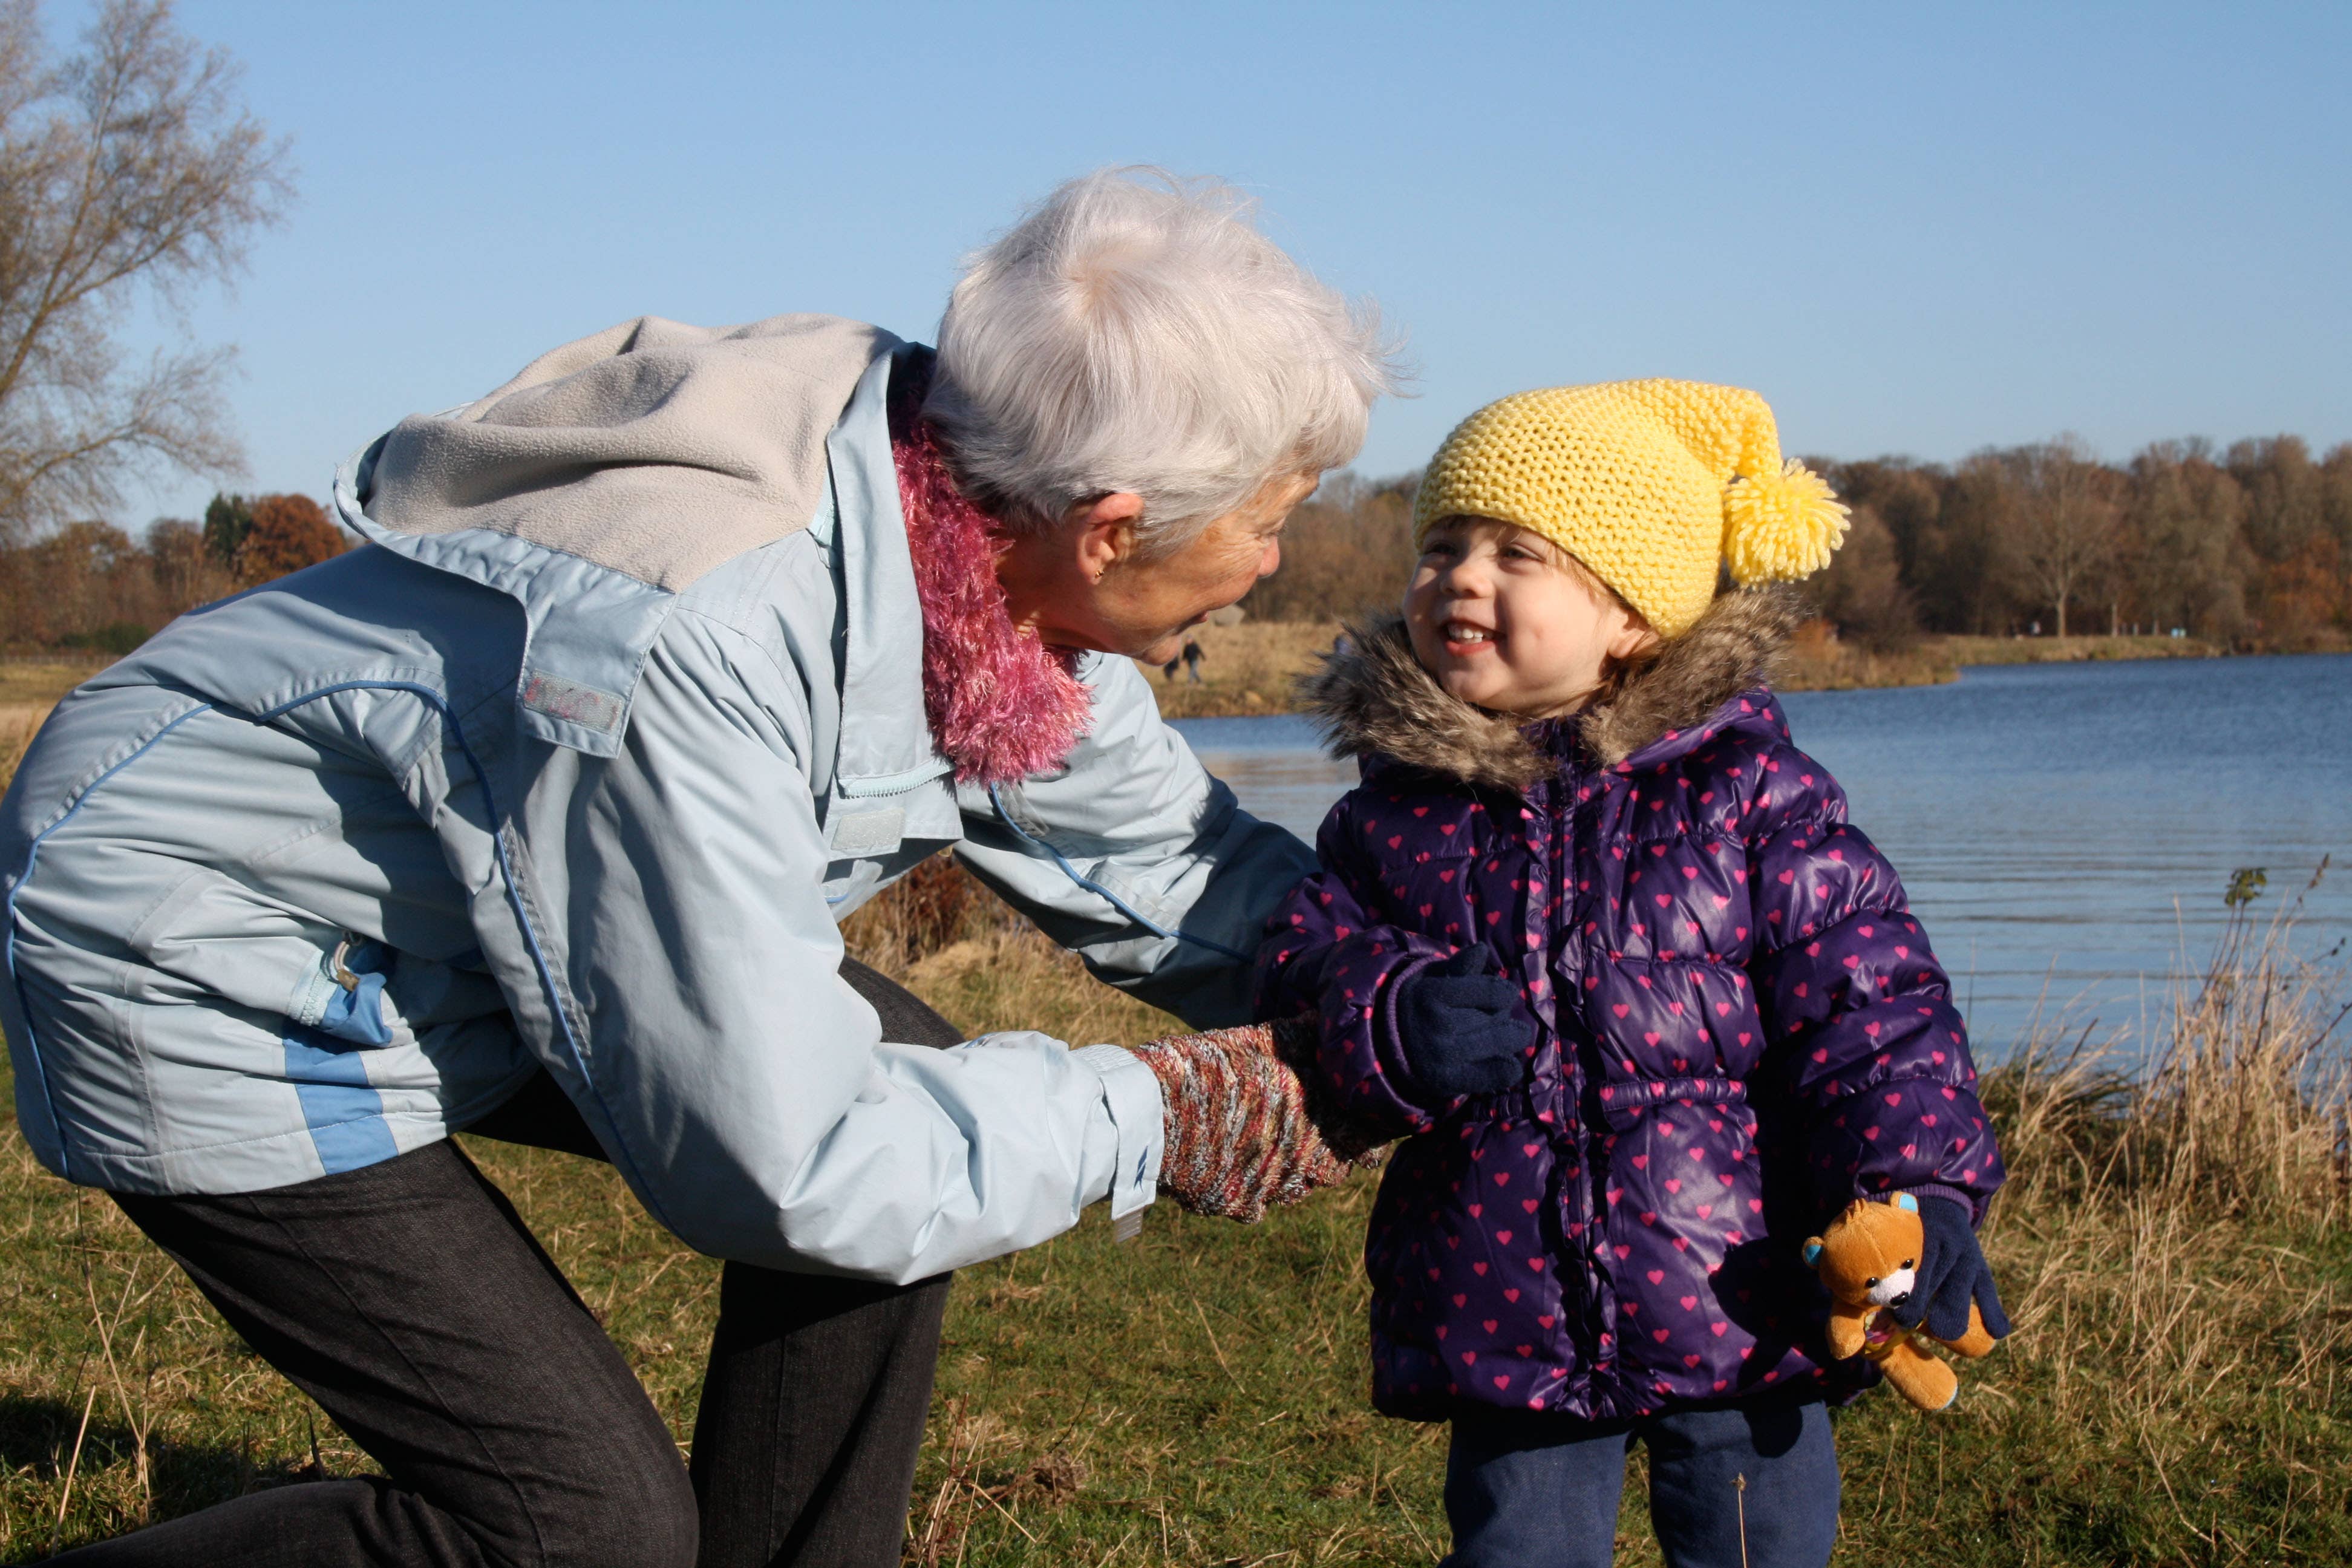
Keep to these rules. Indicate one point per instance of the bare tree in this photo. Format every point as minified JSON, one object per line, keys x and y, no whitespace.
{"x":2067,"y":524}
{"x":128,"y":171}
{"x":185,"y":572}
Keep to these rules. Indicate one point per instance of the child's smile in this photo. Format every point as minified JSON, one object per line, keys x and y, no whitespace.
{"x":1464,"y":638}
{"x":1506,"y":620}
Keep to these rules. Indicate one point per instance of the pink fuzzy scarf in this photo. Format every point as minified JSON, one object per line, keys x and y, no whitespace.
{"x":1002,"y":704}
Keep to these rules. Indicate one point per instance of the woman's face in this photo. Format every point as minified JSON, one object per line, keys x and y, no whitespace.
{"x":1504,"y":622}
{"x":1081,"y":587}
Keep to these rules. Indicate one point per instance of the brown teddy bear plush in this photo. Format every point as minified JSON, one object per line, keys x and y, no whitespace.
{"x":1868,"y":1257}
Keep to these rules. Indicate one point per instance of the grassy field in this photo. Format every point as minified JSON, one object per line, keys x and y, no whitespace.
{"x":2175,"y":1247}
{"x":44,"y":681}
{"x":1246,"y":668}
{"x":28,"y":692}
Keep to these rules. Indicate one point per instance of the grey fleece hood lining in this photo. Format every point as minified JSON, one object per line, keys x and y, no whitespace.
{"x":653,"y":449}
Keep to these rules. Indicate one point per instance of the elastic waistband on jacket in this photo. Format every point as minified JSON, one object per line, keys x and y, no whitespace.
{"x":1627,"y":1099}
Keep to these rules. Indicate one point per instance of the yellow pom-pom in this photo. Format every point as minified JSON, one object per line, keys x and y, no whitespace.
{"x":1780,"y":527}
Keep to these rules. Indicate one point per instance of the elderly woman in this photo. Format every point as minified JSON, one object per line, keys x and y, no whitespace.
{"x":537,"y":816}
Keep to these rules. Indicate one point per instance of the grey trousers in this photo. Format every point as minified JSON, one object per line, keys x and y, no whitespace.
{"x":408,"y":1298}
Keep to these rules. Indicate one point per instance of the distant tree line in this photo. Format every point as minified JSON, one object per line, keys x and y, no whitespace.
{"x":89,"y":585}
{"x":133,"y":179}
{"x":2249,"y":546}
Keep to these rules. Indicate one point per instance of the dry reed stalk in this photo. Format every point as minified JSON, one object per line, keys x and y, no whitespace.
{"x":2243,"y":1113}
{"x":73,"y":1468}
{"x":2161,"y":1240}
{"x":139,"y":1418}
{"x":2239,"y":1112}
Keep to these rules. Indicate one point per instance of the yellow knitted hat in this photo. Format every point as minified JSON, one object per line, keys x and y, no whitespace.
{"x":1652,"y":484}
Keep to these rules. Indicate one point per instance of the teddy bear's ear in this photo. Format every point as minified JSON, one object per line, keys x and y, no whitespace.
{"x":1907,"y":1202}
{"x":1813,"y":1251}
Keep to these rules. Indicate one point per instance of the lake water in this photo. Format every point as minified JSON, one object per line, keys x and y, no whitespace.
{"x":2065,"y":830}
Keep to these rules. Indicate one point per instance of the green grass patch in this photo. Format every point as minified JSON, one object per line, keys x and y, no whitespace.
{"x":2177,"y":1394}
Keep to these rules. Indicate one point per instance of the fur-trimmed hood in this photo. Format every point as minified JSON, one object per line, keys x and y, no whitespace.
{"x":1372,"y":698}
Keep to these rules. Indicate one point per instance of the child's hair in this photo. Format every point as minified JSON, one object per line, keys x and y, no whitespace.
{"x":1616,"y":671}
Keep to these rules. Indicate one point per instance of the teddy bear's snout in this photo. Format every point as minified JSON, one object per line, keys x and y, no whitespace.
{"x":1893,"y":1290}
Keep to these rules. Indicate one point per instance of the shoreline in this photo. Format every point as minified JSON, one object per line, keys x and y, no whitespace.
{"x":1248,"y":669}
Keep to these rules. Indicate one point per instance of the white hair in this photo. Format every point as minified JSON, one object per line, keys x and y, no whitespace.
{"x":1135,"y":331}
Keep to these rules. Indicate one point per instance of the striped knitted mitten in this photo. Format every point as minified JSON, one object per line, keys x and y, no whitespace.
{"x":1240,"y":1138}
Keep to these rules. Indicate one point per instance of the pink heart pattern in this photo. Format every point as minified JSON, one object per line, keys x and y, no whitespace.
{"x":1703,"y":913}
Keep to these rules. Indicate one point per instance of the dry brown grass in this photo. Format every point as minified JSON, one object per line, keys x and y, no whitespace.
{"x":2174,"y":1245}
{"x":942,"y":936}
{"x":1244,"y":670}
{"x":1819,"y":661}
{"x":19,"y":721}
{"x":2074,"y":649}
{"x":45,"y":680}
{"x":2237,"y":1114}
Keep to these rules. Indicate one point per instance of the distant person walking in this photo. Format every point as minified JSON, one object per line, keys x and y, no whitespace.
{"x":538,"y":815}
{"x":1192,"y":657}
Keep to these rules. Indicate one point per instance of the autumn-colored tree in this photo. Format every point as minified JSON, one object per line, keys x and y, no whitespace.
{"x":2184,"y":566}
{"x":2298,"y":531}
{"x":288,"y":533}
{"x":1953,"y":532}
{"x":81,"y":564}
{"x":1862,"y":592}
{"x":85,"y":584}
{"x":2252,"y":549}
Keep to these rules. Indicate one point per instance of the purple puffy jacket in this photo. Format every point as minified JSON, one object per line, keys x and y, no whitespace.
{"x":1742,"y":1030}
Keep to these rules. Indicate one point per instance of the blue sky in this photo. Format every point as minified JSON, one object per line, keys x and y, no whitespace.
{"x":1915,"y":230}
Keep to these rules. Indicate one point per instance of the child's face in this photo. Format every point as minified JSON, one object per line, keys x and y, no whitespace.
{"x":1504,"y":620}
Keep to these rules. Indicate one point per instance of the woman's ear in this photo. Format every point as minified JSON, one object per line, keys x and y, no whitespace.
{"x":1106,"y":532}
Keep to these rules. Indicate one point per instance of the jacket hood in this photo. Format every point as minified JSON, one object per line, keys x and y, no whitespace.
{"x":1371,"y":698}
{"x":654,"y":448}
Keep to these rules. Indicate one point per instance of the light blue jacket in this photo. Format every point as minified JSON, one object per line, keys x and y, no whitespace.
{"x":327,"y":869}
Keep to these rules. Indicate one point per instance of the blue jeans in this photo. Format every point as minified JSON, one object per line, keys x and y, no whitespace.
{"x":1542,"y":1492}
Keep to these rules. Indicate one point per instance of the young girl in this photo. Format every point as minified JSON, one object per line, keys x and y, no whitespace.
{"x":1598,"y":940}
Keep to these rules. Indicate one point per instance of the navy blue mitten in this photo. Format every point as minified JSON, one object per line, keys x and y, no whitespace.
{"x":1952,"y":1273}
{"x":1462,"y":1026}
